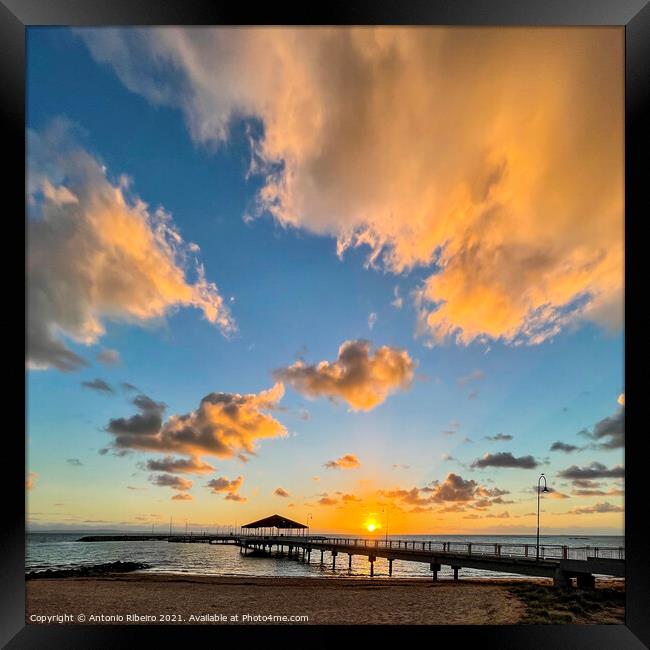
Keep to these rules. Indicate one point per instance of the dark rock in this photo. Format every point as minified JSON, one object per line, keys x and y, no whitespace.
{"x":88,"y":571}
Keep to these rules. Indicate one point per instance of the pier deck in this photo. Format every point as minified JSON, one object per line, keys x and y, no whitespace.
{"x":558,"y":562}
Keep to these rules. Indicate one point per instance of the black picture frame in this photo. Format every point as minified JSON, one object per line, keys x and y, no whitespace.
{"x":632,"y":15}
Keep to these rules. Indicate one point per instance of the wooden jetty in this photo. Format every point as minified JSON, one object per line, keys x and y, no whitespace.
{"x":561,"y":563}
{"x":558,"y":562}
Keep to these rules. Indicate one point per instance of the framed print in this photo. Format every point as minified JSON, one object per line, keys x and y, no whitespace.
{"x":325,"y":323}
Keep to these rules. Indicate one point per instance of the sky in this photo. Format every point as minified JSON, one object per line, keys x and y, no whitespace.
{"x":351,"y":276}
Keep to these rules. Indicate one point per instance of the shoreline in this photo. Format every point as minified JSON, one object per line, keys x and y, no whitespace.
{"x":155,"y":598}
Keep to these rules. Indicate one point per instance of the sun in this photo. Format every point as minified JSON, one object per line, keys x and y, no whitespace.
{"x":372,"y":526}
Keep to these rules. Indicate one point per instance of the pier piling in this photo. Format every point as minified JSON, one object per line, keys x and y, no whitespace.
{"x":586,"y":581}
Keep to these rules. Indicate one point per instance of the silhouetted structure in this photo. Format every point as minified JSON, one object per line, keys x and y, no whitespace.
{"x":275,"y":522}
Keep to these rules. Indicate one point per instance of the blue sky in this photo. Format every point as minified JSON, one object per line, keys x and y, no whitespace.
{"x":292,"y":298}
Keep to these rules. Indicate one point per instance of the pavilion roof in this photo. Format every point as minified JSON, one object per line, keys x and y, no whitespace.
{"x":275,"y":521}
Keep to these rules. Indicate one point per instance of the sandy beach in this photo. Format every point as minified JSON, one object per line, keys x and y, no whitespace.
{"x":174,"y":599}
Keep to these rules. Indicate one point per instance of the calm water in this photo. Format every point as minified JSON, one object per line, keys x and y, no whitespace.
{"x":57,"y":550}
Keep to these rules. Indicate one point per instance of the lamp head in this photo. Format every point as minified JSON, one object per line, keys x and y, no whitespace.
{"x":545,"y":489}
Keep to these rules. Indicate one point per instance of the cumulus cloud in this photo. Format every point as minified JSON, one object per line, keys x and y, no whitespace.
{"x":224,"y":425}
{"x":109,"y":357}
{"x":552,"y":492}
{"x":454,"y":488}
{"x":233,"y":496}
{"x":280,"y":492}
{"x":563,"y":446}
{"x":359,"y":377}
{"x":454,"y":493}
{"x":98,"y":385}
{"x":169,"y":480}
{"x":229,"y":488}
{"x":621,"y":399}
{"x":97,"y":254}
{"x":347,"y":461}
{"x":412,"y":496}
{"x":585,"y":483}
{"x":498,"y":164}
{"x":608,"y":433}
{"x":173,"y":465}
{"x":505,"y":459}
{"x":144,"y":424}
{"x":613,"y":491}
{"x":595,"y":470}
{"x":598,"y":508}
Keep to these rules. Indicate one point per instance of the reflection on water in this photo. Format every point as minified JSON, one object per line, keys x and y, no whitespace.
{"x":56,"y":550}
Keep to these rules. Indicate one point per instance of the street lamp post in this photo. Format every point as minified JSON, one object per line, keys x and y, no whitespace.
{"x":545,"y":489}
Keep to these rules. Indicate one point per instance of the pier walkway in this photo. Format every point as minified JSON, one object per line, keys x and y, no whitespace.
{"x":558,"y":562}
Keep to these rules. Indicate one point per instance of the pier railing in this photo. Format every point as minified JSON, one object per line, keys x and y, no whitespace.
{"x":492,"y":549}
{"x":546,"y":551}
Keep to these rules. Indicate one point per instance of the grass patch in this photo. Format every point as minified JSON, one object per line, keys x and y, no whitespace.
{"x":548,"y":605}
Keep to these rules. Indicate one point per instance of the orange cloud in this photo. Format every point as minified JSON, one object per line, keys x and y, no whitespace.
{"x":30,"y":480}
{"x":224,"y":425}
{"x":358,"y":377}
{"x":348,"y":461}
{"x":280,"y":492}
{"x":102,"y":256}
{"x":182,"y":497}
{"x":229,"y":488}
{"x":454,"y":490}
{"x":493,"y":156}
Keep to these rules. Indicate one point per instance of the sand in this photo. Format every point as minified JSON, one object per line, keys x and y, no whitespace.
{"x":175,"y":599}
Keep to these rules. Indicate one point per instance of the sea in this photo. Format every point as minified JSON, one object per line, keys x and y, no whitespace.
{"x":63,"y":550}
